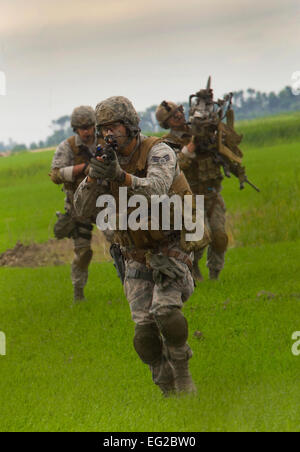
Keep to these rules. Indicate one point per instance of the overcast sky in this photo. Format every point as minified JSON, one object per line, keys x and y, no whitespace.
{"x":59,"y":54}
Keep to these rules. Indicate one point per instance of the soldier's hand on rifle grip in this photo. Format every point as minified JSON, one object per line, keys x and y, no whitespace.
{"x":106,"y":169}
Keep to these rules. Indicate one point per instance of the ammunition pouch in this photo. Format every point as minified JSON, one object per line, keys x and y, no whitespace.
{"x":140,"y":256}
{"x":190,"y":246}
{"x":139,"y":239}
{"x":219,"y":241}
{"x":208,"y":170}
{"x":65,"y":226}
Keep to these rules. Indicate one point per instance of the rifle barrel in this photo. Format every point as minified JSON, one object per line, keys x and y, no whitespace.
{"x":252,"y":185}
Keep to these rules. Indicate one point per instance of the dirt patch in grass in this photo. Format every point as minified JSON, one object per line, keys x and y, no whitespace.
{"x":60,"y":252}
{"x":53,"y":252}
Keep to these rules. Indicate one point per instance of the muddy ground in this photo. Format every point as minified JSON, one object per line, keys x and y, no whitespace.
{"x":53,"y":252}
{"x":60,"y":252}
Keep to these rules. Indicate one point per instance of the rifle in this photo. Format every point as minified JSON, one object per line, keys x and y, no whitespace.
{"x":107,"y":152}
{"x":205,"y":119}
{"x":246,"y":180}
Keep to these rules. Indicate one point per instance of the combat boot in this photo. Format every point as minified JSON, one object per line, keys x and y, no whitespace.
{"x":78,"y":294}
{"x":183,"y":379}
{"x":168,"y":389}
{"x":164,"y":377}
{"x":214,"y":274}
{"x":180,"y":361}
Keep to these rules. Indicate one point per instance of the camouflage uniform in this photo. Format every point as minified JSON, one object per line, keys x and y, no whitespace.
{"x":61,"y":173}
{"x":204,"y":177}
{"x":160,"y":328}
{"x":177,"y":139}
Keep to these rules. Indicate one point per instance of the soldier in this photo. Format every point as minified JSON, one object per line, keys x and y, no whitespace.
{"x":157,"y":270}
{"x":70,"y":165}
{"x":203,"y":172}
{"x":171,"y":116}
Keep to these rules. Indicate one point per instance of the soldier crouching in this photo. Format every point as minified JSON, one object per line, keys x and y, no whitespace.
{"x":157,"y":269}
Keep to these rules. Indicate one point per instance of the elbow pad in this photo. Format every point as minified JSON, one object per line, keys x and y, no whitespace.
{"x":55,"y":176}
{"x":66,"y":174}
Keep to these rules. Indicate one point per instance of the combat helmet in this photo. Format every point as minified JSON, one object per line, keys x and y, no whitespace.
{"x":83,"y":116}
{"x":117,"y":109}
{"x":164,"y":112}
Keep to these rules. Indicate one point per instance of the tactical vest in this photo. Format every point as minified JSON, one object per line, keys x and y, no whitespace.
{"x":177,"y":142}
{"x":202,"y":172}
{"x":138,"y":167}
{"x":81,"y":155}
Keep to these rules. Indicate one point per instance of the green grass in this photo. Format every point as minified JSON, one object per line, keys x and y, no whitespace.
{"x":272,"y":215}
{"x":277,"y":129}
{"x":75,"y":368}
{"x":29,"y":199}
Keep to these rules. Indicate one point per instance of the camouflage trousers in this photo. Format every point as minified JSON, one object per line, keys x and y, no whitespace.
{"x":149,"y":303}
{"x":82,"y":248}
{"x":82,"y":259}
{"x":215,"y":212}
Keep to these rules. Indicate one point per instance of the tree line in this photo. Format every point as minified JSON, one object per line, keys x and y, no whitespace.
{"x":247,"y":104}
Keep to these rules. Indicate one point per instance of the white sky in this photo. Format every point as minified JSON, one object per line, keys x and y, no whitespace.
{"x":58,"y":54}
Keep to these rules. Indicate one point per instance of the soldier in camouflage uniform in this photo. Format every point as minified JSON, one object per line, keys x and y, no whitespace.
{"x":171,"y":116}
{"x":70,"y":165}
{"x":157,"y":270}
{"x":204,"y":176}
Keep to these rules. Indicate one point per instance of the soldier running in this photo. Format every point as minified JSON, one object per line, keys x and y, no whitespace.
{"x":157,"y":269}
{"x":70,"y":166}
{"x":199,"y":160}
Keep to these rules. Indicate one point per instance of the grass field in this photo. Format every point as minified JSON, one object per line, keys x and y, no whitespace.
{"x":29,"y":199}
{"x":74,"y":368}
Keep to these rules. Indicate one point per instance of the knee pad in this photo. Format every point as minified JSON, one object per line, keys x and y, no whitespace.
{"x":174,"y":328}
{"x":148,"y":343}
{"x":83,"y":258}
{"x":219,"y":241}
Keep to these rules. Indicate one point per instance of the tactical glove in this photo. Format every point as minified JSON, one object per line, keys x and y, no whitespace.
{"x":164,"y":266}
{"x":107,"y":169}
